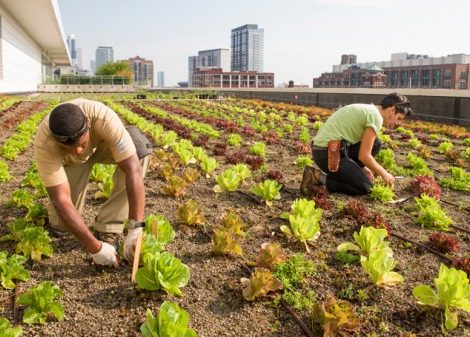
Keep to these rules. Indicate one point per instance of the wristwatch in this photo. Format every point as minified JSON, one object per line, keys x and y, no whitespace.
{"x":133,"y":224}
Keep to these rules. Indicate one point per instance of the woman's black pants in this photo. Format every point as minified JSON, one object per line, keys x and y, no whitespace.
{"x":350,"y":177}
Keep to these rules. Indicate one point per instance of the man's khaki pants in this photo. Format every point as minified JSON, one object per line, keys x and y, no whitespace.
{"x":115,"y":210}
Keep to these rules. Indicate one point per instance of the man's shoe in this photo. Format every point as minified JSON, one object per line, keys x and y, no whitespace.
{"x":309,"y":179}
{"x":57,"y":232}
{"x":114,"y":239}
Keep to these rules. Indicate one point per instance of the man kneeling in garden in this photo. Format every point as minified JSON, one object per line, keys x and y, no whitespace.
{"x":69,"y":141}
{"x":345,"y":146}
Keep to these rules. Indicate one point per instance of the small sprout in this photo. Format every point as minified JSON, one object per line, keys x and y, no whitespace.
{"x":176,"y":187}
{"x":270,"y":256}
{"x":381,"y":192}
{"x":268,"y":190}
{"x":191,"y":214}
{"x":190,"y":175}
{"x":443,"y":243}
{"x":260,"y":283}
{"x":303,"y":161}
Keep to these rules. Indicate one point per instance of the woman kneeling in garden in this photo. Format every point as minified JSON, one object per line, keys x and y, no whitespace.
{"x":345,"y":146}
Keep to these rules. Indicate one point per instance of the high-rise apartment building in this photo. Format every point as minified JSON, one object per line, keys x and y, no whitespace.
{"x":93,"y":66}
{"x":72,"y":48}
{"x":247,"y":44}
{"x":79,"y":62}
{"x":211,"y":58}
{"x":192,"y":66}
{"x":103,"y":55}
{"x":160,"y":79}
{"x":142,"y":69}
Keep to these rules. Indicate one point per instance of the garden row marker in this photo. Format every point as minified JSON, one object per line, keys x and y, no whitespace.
{"x":398,"y":200}
{"x":135,"y":265}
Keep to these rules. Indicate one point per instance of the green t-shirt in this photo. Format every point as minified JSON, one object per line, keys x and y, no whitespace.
{"x":349,"y":123}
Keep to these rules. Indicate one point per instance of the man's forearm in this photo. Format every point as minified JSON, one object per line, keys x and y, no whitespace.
{"x":136,"y":196}
{"x":74,"y":223}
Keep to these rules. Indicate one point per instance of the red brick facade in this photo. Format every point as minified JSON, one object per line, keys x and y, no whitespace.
{"x":441,"y":76}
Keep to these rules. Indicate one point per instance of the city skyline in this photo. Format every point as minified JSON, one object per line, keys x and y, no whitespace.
{"x":302,"y":39}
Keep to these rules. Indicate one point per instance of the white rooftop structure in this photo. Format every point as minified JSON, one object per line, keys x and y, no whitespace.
{"x":33,"y":42}
{"x":408,"y":60}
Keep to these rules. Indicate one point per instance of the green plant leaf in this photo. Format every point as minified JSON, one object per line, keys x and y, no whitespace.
{"x":453,"y":292}
{"x":171,"y":321}
{"x":41,"y":301}
{"x":425,"y":295}
{"x":260,"y":283}
{"x":7,"y":331}
{"x":348,"y":246}
{"x":11,"y":268}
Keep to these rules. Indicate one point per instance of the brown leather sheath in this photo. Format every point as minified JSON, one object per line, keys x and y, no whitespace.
{"x":334,"y":154}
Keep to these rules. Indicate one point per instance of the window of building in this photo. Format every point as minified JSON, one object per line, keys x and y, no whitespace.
{"x":403,"y":78}
{"x":446,"y":84}
{"x":425,"y":74}
{"x":414,"y":78}
{"x":436,"y":77}
{"x":463,"y":85}
{"x":463,"y":74}
{"x":447,"y":74}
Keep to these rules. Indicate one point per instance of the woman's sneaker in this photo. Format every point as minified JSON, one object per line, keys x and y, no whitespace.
{"x":309,"y":179}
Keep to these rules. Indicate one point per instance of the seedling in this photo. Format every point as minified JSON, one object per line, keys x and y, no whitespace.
{"x":453,"y":292}
{"x":268,"y":190}
{"x":260,"y":283}
{"x":171,"y":320}
{"x":191,"y":213}
{"x":41,"y":302}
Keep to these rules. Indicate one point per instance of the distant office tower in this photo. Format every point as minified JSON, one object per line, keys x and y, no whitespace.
{"x":192,"y":66}
{"x":160,"y":79}
{"x":247,"y":48}
{"x":104,"y":54}
{"x":72,"y":48}
{"x":212,"y":58}
{"x":79,"y":58}
{"x":142,"y":69}
{"x":348,"y":59}
{"x":93,"y":66}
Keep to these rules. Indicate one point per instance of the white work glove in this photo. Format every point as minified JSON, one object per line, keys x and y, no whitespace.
{"x":129,"y":243}
{"x":106,"y":256}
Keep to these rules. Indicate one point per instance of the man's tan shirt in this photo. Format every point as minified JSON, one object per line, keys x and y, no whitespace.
{"x":106,"y":129}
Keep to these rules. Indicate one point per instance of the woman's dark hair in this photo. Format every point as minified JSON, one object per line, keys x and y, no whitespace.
{"x":67,"y":123}
{"x":400,"y":102}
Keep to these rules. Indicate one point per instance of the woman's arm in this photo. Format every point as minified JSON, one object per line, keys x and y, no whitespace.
{"x":365,"y":156}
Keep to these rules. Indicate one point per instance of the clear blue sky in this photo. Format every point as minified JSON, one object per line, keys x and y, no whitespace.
{"x":302,"y":38}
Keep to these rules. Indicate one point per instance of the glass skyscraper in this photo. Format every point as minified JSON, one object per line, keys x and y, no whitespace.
{"x":72,"y":48}
{"x":104,"y":54}
{"x":247,"y":48}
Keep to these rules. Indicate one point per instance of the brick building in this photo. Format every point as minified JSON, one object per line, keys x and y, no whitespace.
{"x":402,"y":71}
{"x":216,"y":77}
{"x":143,"y":70}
